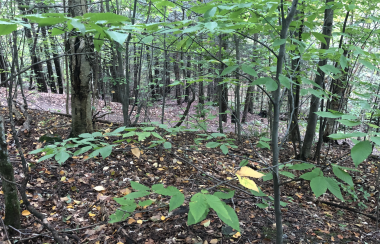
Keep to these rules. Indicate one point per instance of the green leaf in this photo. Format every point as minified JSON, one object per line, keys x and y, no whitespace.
{"x":215,"y":203}
{"x":77,"y":24}
{"x":176,"y":201}
{"x":143,"y":135}
{"x":212,"y":144}
{"x":376,"y":140}
{"x":343,"y":61}
{"x":118,"y":216}
{"x":62,"y":156}
{"x":139,"y":187}
{"x":223,"y":195}
{"x":82,"y":150}
{"x":36,"y":151}
{"x":117,"y":36}
{"x":169,"y":191}
{"x":247,"y":69}
{"x":229,"y":69}
{"x":262,"y":144}
{"x":302,"y":166}
{"x":328,"y":68}
{"x":341,"y":174}
{"x":210,"y":13}
{"x":106,"y":17}
{"x":340,"y":136}
{"x":269,"y":83}
{"x":105,"y":151}
{"x":267,"y":177}
{"x":167,"y":145}
{"x":46,"y":157}
{"x":368,"y":65}
{"x":318,"y":185}
{"x":134,"y":195}
{"x":313,"y":174}
{"x":211,"y":26}
{"x":147,"y":39}
{"x":279,"y":42}
{"x":224,"y":148}
{"x":329,"y":114}
{"x":320,"y":37}
{"x":287,"y":174}
{"x":7,"y":27}
{"x":262,"y":205}
{"x":54,"y":32}
{"x":334,"y":188}
{"x":198,"y":207}
{"x":232,"y":219}
{"x":260,"y":193}
{"x":243,"y":163}
{"x":361,"y":151}
{"x":86,"y":135}
{"x":124,"y":201}
{"x":285,"y":81}
{"x":191,"y":29}
{"x":145,"y":203}
{"x":349,"y":122}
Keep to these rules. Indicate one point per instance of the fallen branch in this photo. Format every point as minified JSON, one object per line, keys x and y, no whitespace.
{"x":347,"y":208}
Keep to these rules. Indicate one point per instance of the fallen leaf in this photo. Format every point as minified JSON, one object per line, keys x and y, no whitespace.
{"x":214,"y":241}
{"x":247,"y":171}
{"x":139,"y":221}
{"x":162,"y":218}
{"x":25,"y":213}
{"x":237,"y":235}
{"x":99,"y":188}
{"x":136,"y":151}
{"x":131,"y":221}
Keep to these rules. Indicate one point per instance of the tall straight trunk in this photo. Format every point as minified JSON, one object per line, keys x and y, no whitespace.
{"x":285,"y":23}
{"x":149,"y":61}
{"x":57,"y":65}
{"x":37,"y":68}
{"x":338,"y":89}
{"x":167,"y":78}
{"x":294,"y":97}
{"x":236,"y":113}
{"x":80,"y":70}
{"x":154,"y":86}
{"x":3,"y":65}
{"x":50,"y":78}
{"x":177,"y":78}
{"x":135,"y":71}
{"x":11,"y":202}
{"x":223,"y":88}
{"x":314,"y":104}
{"x":247,"y":103}
{"x":188,"y":76}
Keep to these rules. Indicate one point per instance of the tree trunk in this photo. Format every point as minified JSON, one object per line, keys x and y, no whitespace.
{"x":11,"y":202}
{"x":3,"y":67}
{"x":57,"y":65}
{"x":338,"y":89}
{"x":80,"y":70}
{"x":38,"y":70}
{"x":177,"y":79}
{"x":314,"y":104}
{"x":188,"y":76}
{"x":223,"y":92}
{"x":50,"y":78}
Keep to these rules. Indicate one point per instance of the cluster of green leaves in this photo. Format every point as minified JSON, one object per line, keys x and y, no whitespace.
{"x":318,"y":182}
{"x":199,"y":205}
{"x":362,"y":149}
{"x":218,"y":140}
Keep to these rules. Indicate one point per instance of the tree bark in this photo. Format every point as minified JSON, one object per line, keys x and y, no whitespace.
{"x":50,"y":78}
{"x":80,"y":70}
{"x":314,"y":104}
{"x":11,"y":201}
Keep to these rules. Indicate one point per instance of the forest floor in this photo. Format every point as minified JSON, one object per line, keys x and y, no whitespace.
{"x":68,"y":194}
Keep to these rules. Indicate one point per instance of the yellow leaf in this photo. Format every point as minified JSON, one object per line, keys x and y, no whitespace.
{"x":247,"y":171}
{"x":136,"y":151}
{"x":63,"y":178}
{"x":99,"y":188}
{"x":91,"y":214}
{"x":250,"y":184}
{"x":237,"y":235}
{"x":25,"y":213}
{"x":120,"y":242}
{"x":131,"y":221}
{"x":54,"y":207}
{"x":206,"y":222}
{"x":1,"y":192}
{"x":162,"y":218}
{"x":139,"y":221}
{"x":214,"y":241}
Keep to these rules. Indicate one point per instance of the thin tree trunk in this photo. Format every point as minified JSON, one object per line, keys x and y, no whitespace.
{"x":50,"y":78}
{"x":177,"y":78}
